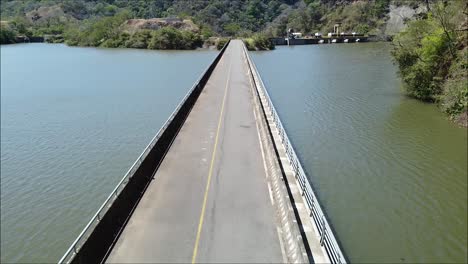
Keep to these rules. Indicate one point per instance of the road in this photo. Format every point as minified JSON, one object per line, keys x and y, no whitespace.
{"x":209,"y":200}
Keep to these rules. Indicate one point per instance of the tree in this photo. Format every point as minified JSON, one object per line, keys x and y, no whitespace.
{"x":171,"y":38}
{"x":232,"y":29}
{"x":424,"y":52}
{"x":7,"y":36}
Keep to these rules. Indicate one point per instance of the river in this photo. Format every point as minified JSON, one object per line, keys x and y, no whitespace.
{"x":391,"y":172}
{"x":73,"y":120}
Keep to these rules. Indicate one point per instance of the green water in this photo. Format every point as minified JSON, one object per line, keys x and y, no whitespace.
{"x":391,"y":171}
{"x":73,"y":120}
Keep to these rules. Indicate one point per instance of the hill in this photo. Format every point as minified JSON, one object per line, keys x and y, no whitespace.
{"x":429,"y":35}
{"x":219,"y":17}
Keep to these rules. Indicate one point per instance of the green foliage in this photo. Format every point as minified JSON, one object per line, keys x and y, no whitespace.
{"x":380,"y":8}
{"x":171,"y":38}
{"x":21,"y":26}
{"x":232,"y":29}
{"x":362,"y":28}
{"x":420,"y":53}
{"x":301,"y":20}
{"x":206,"y":32}
{"x":221,"y":15}
{"x":72,"y":35}
{"x":95,"y":32}
{"x":249,"y":44}
{"x":76,"y":8}
{"x":54,"y":29}
{"x":7,"y":36}
{"x":228,"y":18}
{"x":259,"y":42}
{"x":139,"y":40}
{"x":165,"y":38}
{"x":118,"y":41}
{"x":427,"y":61}
{"x":321,"y":15}
{"x":221,"y":42}
{"x":54,"y":39}
{"x":454,"y":99}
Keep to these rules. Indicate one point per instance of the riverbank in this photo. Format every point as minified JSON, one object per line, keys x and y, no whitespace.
{"x":73,"y":21}
{"x":118,"y":31}
{"x":431,"y":54}
{"x":391,"y":171}
{"x":259,"y":42}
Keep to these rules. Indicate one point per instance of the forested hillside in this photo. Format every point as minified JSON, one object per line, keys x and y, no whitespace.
{"x":429,"y":35}
{"x":432,"y":56}
{"x":223,"y":17}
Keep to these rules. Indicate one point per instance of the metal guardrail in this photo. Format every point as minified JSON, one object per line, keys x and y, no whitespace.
{"x":88,"y":229}
{"x":327,"y":237}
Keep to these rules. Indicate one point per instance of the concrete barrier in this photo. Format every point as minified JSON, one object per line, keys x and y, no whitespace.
{"x":97,"y":239}
{"x":323,"y":243}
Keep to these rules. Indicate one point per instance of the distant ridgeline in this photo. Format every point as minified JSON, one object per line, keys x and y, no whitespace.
{"x":181,"y":24}
{"x":429,"y":35}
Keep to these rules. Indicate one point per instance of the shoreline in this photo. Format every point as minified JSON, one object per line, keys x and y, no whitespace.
{"x":460,"y":120}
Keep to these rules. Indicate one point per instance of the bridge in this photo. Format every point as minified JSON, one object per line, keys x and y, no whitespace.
{"x":220,"y":182}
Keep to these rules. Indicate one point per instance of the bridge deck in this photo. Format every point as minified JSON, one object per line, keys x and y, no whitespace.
{"x":215,"y":165}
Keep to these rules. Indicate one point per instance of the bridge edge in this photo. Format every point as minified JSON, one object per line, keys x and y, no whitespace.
{"x":329,"y":242}
{"x":97,"y":238}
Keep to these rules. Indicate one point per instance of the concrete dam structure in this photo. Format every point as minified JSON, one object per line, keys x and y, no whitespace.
{"x":320,"y":40}
{"x":220,"y":182}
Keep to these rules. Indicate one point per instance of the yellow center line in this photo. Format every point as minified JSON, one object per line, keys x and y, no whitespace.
{"x":210,"y":172}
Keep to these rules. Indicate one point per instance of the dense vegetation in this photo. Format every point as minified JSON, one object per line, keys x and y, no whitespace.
{"x":319,"y":16}
{"x":7,"y":36}
{"x":431,"y":53}
{"x":432,"y":57}
{"x":82,"y":21}
{"x":221,"y":43}
{"x":258,"y":42}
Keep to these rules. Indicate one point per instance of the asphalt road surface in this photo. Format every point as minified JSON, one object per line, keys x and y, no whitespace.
{"x":209,"y":200}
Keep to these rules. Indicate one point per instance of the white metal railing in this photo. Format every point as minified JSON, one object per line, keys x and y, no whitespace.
{"x":327,"y":237}
{"x":88,"y":229}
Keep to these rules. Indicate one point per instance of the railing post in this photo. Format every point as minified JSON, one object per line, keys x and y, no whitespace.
{"x":322,"y":236}
{"x":303,"y":187}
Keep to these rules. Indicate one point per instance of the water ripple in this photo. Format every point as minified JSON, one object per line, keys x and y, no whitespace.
{"x":391,"y":171}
